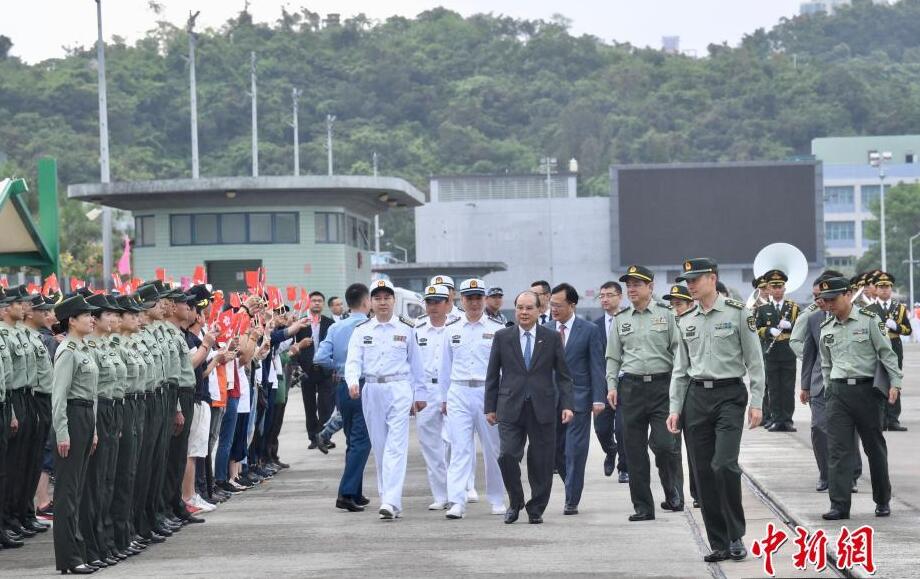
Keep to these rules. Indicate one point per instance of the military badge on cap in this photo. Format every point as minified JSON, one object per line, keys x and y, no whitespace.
{"x":383,"y":285}
{"x":472,"y":287}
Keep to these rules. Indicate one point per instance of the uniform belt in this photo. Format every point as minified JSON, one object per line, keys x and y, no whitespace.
{"x":853,"y":381}
{"x":103,"y":401}
{"x":132,"y":396}
{"x":80,"y":402}
{"x":720,"y":383}
{"x":647,"y":377}
{"x":42,"y":395}
{"x":894,"y":336}
{"x":469,"y":383}
{"x":158,"y":390}
{"x":27,"y":390}
{"x":172,"y":385}
{"x":386,"y":379}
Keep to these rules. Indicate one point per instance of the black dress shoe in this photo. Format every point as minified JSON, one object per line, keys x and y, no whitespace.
{"x":896,"y":427}
{"x":79,"y":570}
{"x":696,"y":503}
{"x":608,"y":466}
{"x":775,"y":427}
{"x":193,"y":520}
{"x":8,"y":542}
{"x":37,"y":526}
{"x":313,"y":445}
{"x":641,"y":517}
{"x":737,"y":550}
{"x":717,"y":555}
{"x":157,"y":538}
{"x":767,"y":424}
{"x":624,"y":477}
{"x":163,"y":531}
{"x":835,"y":515}
{"x":323,"y":446}
{"x":363,"y":501}
{"x":119,"y":555}
{"x":855,"y":487}
{"x":821,"y":486}
{"x":282,"y":465}
{"x":111,"y":561}
{"x":330,"y":444}
{"x":131,"y":550}
{"x":672,"y":506}
{"x":535,"y":519}
{"x":511,"y":515}
{"x":98,"y":564}
{"x":883,"y":510}
{"x":570,"y":510}
{"x":348,"y":504}
{"x":27,"y":533}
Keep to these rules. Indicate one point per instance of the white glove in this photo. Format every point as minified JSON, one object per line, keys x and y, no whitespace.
{"x":785,"y":325}
{"x":775,"y":332}
{"x":892,"y":325}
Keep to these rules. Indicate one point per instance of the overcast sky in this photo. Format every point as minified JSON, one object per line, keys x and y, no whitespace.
{"x":40,"y":28}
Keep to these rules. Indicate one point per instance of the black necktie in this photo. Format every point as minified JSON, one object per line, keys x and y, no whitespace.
{"x":542,"y":318}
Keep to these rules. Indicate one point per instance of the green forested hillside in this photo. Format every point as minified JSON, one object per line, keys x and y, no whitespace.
{"x":445,"y":94}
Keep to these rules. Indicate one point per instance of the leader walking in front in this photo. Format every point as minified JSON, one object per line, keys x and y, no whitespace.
{"x":527,"y":377}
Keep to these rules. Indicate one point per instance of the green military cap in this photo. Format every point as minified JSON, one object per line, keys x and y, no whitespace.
{"x":638,"y":272}
{"x":72,"y":307}
{"x":775,"y":277}
{"x":177,"y":295}
{"x":18,"y":294}
{"x":139,"y":303}
{"x":758,"y":282}
{"x":833,"y":287}
{"x":872,"y":276}
{"x":41,"y":304}
{"x":102,"y":302}
{"x":884,"y":279}
{"x":161,"y":287}
{"x":694,"y":268}
{"x":678,"y":292}
{"x":149,"y":294}
{"x":127,"y":304}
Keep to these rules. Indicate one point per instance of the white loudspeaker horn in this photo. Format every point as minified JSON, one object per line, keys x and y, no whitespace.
{"x":785,"y":257}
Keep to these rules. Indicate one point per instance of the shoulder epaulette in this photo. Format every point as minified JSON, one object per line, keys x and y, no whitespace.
{"x":624,"y":310}
{"x":407,"y":321}
{"x":4,"y":332}
{"x":811,"y":308}
{"x":364,"y":322}
{"x":450,"y":322}
{"x":663,"y":304}
{"x":116,"y":340}
{"x":734,"y":303}
{"x":460,"y":308}
{"x":90,"y":343}
{"x":867,"y":311}
{"x":421,"y":324}
{"x":72,"y":346}
{"x":496,"y":320}
{"x":828,"y":320}
{"x":422,"y":317}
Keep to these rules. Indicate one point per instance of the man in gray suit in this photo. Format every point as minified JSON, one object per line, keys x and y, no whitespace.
{"x":584,"y":355}
{"x":804,"y":343}
{"x":527,"y":377}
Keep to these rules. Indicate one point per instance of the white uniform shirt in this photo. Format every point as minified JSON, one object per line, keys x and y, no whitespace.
{"x":384,"y":350}
{"x":466,"y":350}
{"x":430,"y":343}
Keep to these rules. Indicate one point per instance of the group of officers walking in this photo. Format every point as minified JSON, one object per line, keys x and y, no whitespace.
{"x":666,"y":367}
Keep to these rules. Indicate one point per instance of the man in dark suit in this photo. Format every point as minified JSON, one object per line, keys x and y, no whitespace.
{"x":608,"y":425}
{"x":584,"y":355}
{"x":527,"y":378}
{"x":316,"y":383}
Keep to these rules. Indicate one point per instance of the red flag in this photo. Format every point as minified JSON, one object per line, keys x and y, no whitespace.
{"x":51,"y":285}
{"x":76,"y":284}
{"x":252,"y":281}
{"x":274,"y":297}
{"x":4,"y":282}
{"x":199,"y":277}
{"x":224,"y":322}
{"x":240,"y":323}
{"x":235,"y":301}
{"x":291,"y":293}
{"x":117,"y":283}
{"x":216,"y":304}
{"x":134,"y":284}
{"x":161,"y":274}
{"x":33,"y":288}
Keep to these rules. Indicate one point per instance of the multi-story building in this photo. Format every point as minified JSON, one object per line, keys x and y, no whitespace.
{"x":852,"y":185}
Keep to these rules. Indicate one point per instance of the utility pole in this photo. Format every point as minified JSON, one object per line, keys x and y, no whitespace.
{"x":193,"y":91}
{"x":255,"y":117}
{"x":104,"y":176}
{"x":547,"y":164}
{"x":878,"y":160}
{"x":295,"y":98}
{"x":376,"y":216}
{"x":330,"y":121}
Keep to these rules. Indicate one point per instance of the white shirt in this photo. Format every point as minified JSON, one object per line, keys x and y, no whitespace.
{"x":608,"y":322}
{"x":778,"y":305}
{"x":385,"y":349}
{"x":466,"y":349}
{"x":533,"y":339}
{"x":568,"y":328}
{"x":430,"y":343}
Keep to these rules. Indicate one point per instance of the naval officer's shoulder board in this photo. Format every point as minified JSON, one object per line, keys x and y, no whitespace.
{"x":451,"y":322}
{"x":734,"y":303}
{"x":359,"y":324}
{"x":407,"y":321}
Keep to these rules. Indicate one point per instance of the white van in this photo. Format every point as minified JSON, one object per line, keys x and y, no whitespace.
{"x":409,"y":304}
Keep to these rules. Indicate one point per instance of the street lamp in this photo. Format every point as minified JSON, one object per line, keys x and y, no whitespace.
{"x":878,"y":160}
{"x":547,"y":165}
{"x":910,"y":257}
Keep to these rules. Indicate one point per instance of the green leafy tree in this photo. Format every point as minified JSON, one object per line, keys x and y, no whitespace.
{"x":902,"y":220}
